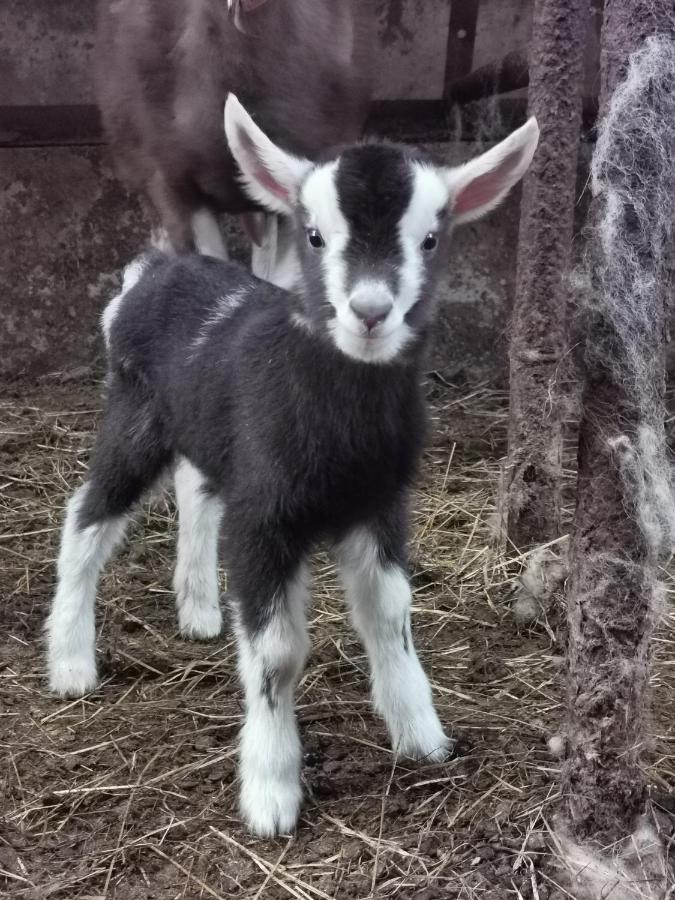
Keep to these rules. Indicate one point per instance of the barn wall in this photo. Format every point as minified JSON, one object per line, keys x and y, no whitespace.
{"x":66,"y":225}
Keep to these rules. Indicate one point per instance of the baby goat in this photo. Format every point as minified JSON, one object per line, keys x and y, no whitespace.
{"x":290,"y":418}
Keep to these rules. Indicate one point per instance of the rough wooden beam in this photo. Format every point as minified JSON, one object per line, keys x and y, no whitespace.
{"x":533,"y":475}
{"x":507,"y":74}
{"x":461,"y":37}
{"x":621,"y":518}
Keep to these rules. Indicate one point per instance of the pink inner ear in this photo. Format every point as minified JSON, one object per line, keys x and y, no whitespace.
{"x":260,"y":173}
{"x":483,"y":189}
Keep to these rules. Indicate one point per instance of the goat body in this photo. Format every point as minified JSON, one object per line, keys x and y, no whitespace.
{"x":291,"y":418}
{"x":209,"y":364}
{"x":165,"y":67}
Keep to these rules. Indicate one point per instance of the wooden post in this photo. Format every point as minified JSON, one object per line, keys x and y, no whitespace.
{"x":532,"y":480}
{"x":624,"y":512}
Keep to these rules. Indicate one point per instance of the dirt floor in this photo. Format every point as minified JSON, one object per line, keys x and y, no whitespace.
{"x":130,"y":793}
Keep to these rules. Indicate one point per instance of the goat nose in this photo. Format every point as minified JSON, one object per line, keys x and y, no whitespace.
{"x":370,"y":311}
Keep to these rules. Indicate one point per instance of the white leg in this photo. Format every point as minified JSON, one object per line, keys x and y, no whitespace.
{"x":379,"y":596}
{"x":196,"y":576}
{"x":207,"y":235}
{"x":270,"y":664}
{"x":276,"y":259}
{"x":71,"y":626}
{"x":264,"y":255}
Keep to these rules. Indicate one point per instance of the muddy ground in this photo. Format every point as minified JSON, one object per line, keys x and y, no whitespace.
{"x":130,"y":793}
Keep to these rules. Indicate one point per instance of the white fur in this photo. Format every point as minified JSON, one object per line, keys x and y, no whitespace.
{"x":556,"y":745}
{"x":319,"y":196}
{"x":225,"y":306}
{"x":270,"y":744}
{"x":429,"y":197}
{"x":131,"y":276}
{"x":253,"y":150}
{"x":521,"y":144}
{"x":264,"y":255}
{"x":71,"y":626}
{"x":320,"y":199}
{"x":196,"y":575}
{"x":633,"y":869}
{"x":207,"y":235}
{"x":369,"y":349}
{"x":379,"y":597}
{"x":277,"y":180}
{"x":385,"y":340}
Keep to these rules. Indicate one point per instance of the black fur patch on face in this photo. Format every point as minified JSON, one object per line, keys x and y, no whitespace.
{"x":374,"y":186}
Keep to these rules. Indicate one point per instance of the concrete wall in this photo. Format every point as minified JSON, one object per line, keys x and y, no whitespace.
{"x":411,"y":49}
{"x":68,"y":228}
{"x":66,"y":225}
{"x":46,"y":49}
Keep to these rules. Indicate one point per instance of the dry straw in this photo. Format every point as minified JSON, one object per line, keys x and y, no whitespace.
{"x":130,"y":793}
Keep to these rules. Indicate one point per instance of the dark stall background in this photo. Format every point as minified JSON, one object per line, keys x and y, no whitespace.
{"x":67,"y":226}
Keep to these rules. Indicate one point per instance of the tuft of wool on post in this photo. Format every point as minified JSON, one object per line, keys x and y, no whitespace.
{"x":541,"y":579}
{"x":633,"y":183}
{"x":640,"y":123}
{"x":635,"y":870}
{"x":622,"y":271}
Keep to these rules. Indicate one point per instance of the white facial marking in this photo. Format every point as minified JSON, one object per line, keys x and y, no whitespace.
{"x":225,"y":307}
{"x":270,"y":664}
{"x":429,"y":196}
{"x":71,"y":626}
{"x":352,"y":336}
{"x":195,"y":579}
{"x":320,"y":198}
{"x":379,"y":597}
{"x":207,"y":235}
{"x":384,"y":341}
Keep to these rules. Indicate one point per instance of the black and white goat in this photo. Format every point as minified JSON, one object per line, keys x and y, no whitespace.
{"x":291,"y":418}
{"x":164,"y":68}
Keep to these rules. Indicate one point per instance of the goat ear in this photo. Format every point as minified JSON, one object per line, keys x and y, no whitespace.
{"x":270,"y":176}
{"x":481,"y":184}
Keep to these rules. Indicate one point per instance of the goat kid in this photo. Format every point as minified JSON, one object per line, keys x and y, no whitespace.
{"x":164,"y":70}
{"x":290,"y":418}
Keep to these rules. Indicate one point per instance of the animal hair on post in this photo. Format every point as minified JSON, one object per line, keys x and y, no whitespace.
{"x":614,"y":571}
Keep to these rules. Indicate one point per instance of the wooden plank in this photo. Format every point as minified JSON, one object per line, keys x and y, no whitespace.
{"x":414,"y":121}
{"x":48,"y":126}
{"x":461,"y":37}
{"x":508,"y":74}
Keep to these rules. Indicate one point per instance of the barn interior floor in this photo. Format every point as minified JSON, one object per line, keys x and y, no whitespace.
{"x":131,"y":792}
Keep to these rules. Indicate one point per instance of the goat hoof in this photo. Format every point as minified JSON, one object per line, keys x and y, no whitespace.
{"x":270,"y":806}
{"x":200,"y":623}
{"x":425,"y":741}
{"x":72,"y":676}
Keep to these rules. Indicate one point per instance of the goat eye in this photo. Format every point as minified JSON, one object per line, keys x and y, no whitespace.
{"x":315,"y":239}
{"x":430,"y":242}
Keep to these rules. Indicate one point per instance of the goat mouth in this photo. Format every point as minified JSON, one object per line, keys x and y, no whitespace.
{"x":369,"y":334}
